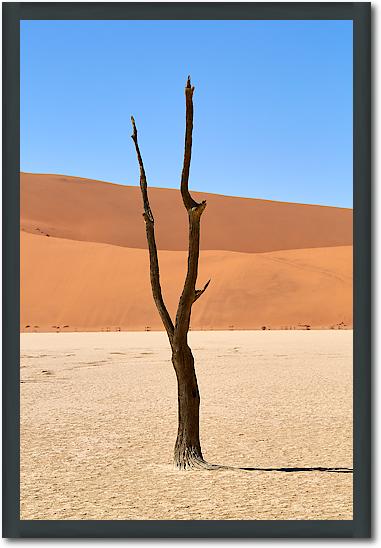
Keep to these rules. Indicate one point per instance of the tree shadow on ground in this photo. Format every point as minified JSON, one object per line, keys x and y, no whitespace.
{"x":307,"y":469}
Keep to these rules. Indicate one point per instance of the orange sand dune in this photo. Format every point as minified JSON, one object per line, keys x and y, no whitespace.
{"x":93,"y":286}
{"x":82,"y":209}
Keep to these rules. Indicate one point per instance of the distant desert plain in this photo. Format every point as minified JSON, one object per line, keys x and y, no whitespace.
{"x":271,"y":337}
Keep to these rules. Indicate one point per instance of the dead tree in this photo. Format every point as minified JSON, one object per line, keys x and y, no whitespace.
{"x":187,"y":452}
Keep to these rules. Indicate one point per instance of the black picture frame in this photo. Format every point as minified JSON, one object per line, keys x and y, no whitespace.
{"x":360,"y":526}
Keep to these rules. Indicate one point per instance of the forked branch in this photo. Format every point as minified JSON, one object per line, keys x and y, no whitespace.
{"x":150,"y":232}
{"x":177,"y":333}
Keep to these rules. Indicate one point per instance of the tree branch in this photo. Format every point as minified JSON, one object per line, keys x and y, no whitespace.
{"x":199,"y":292}
{"x":195,"y":210}
{"x":150,"y":233}
{"x":189,"y":202}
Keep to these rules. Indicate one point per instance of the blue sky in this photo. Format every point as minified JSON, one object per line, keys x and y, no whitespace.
{"x":273,"y":104}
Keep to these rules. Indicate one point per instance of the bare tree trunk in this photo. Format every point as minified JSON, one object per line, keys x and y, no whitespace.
{"x":187,"y":452}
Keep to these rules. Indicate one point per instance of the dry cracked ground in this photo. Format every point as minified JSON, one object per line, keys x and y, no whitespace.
{"x":98,"y":425}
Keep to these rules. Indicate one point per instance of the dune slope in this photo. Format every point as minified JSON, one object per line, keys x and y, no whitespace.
{"x":82,"y":209}
{"x":91,"y":286}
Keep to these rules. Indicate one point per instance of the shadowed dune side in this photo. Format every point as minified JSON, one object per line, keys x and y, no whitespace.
{"x":92,"y":287}
{"x":87,"y":210}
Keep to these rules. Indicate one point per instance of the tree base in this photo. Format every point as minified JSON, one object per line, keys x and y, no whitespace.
{"x":191,"y":458}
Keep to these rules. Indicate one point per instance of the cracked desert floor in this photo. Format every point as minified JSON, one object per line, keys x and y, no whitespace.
{"x":99,"y":419}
